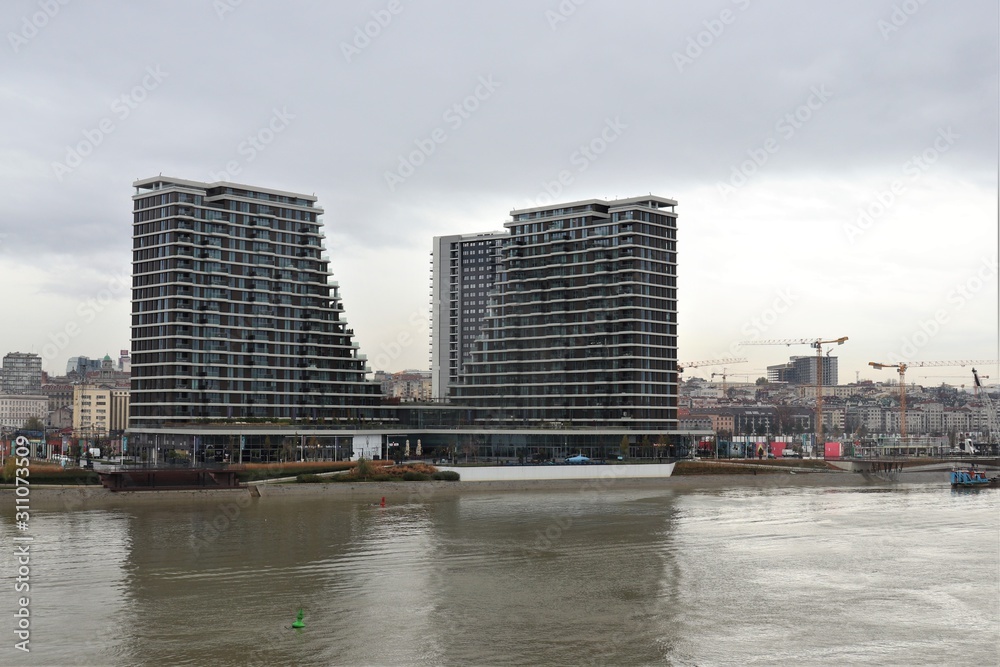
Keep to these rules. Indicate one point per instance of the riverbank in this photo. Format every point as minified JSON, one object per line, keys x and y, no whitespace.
{"x":56,"y":498}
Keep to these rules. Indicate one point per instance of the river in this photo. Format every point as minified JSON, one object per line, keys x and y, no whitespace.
{"x":874,"y":575}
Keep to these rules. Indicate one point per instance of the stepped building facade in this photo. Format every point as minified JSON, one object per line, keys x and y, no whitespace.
{"x":233,"y":312}
{"x":581,"y":330}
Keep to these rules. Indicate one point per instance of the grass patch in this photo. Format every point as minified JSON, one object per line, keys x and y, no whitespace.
{"x":47,"y":473}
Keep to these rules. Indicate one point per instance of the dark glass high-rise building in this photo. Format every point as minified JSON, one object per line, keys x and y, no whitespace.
{"x":463,"y":270}
{"x":233,"y":312}
{"x":582,"y":328}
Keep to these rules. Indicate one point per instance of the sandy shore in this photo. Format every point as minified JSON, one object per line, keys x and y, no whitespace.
{"x":92,"y":497}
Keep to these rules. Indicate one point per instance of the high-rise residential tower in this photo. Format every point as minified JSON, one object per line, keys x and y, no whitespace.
{"x":582,"y":330}
{"x":463,"y":272}
{"x":233,"y":313}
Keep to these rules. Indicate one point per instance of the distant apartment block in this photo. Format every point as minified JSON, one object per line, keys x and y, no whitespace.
{"x":408,"y":385}
{"x":22,"y":373}
{"x":463,"y":273}
{"x":234,"y":315}
{"x":802,"y":370}
{"x":582,"y":328}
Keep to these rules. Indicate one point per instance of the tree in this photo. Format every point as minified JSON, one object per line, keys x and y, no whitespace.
{"x":287,"y":449}
{"x":623,"y":446}
{"x":759,"y":381}
{"x":33,"y":424}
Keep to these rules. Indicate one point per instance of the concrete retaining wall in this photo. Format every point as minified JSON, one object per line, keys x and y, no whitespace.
{"x":556,"y":472}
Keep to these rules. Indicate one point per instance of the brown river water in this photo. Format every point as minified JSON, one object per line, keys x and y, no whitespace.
{"x":875,"y":575}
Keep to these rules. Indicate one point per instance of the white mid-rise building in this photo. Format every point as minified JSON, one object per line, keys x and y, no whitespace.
{"x":16,"y":409}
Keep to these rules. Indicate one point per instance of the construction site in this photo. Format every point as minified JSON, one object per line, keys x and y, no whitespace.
{"x":798,"y":408}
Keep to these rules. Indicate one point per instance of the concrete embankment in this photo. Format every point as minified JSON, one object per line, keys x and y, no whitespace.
{"x":553,"y":473}
{"x":94,"y":497}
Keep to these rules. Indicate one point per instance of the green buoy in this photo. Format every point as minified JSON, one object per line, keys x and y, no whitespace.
{"x":298,"y":621}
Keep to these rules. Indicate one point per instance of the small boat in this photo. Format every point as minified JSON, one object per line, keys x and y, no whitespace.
{"x":973,"y":479}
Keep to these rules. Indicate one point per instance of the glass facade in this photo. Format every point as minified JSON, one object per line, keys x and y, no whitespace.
{"x":581,"y":328}
{"x":463,"y":272}
{"x":233,"y":313}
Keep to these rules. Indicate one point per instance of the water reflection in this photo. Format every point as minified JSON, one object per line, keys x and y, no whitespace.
{"x":601,"y":577}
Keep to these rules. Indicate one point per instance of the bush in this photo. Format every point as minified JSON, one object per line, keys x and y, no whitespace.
{"x":343,"y":478}
{"x":382,"y":478}
{"x":364,"y":468}
{"x":308,"y":479}
{"x":446,"y":476}
{"x":8,"y":469}
{"x":411,"y":476}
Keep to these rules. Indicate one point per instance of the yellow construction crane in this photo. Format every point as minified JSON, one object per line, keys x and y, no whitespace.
{"x":901,"y":367}
{"x":724,"y":376}
{"x":817,"y":344}
{"x":902,"y":392}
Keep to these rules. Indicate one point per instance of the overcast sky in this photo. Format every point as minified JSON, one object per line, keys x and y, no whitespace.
{"x":835,"y":164}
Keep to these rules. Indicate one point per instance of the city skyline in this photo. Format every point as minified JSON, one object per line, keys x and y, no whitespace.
{"x":835,"y":165}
